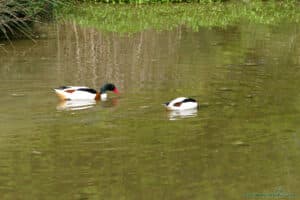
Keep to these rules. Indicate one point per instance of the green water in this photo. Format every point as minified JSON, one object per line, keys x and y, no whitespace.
{"x":244,"y":140}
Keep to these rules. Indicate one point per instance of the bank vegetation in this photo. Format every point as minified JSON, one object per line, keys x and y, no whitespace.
{"x":17,"y":16}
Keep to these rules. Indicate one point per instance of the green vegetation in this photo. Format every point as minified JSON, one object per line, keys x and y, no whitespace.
{"x":130,"y":18}
{"x":176,"y":1}
{"x":16,"y":16}
{"x":151,"y":1}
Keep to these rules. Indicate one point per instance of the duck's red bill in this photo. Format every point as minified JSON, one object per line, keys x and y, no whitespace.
{"x":116,"y":91}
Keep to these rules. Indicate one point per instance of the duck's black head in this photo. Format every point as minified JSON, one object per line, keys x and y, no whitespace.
{"x":109,"y":87}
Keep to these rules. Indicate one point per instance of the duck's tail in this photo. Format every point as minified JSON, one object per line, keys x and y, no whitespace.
{"x":166,"y":104}
{"x":60,"y":94}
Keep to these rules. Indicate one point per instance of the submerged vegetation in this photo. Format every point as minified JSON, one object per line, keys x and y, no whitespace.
{"x":133,"y":18}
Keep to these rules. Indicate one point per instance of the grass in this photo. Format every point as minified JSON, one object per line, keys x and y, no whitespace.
{"x":16,"y":16}
{"x":131,"y":18}
{"x":149,"y":1}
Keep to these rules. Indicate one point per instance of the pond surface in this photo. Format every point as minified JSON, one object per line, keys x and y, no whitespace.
{"x":244,"y":140}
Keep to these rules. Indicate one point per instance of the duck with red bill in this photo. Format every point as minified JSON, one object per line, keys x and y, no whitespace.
{"x":85,"y":93}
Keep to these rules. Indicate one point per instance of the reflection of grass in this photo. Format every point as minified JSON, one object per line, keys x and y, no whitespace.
{"x":134,"y":18}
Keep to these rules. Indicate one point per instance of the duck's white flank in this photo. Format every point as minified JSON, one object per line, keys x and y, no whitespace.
{"x":76,"y":93}
{"x":85,"y":93}
{"x":182,"y":103}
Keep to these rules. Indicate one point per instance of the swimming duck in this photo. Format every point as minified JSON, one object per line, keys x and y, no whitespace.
{"x":181,"y":103}
{"x":84,"y":93}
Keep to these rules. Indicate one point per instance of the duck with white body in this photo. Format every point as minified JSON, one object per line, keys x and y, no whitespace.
{"x":182,"y":103}
{"x":85,"y":93}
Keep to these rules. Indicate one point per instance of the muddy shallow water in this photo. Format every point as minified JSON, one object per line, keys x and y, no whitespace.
{"x":244,"y":139}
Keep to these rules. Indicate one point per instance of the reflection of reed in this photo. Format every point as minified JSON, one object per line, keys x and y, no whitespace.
{"x":77,"y":52}
{"x":102,"y":58}
{"x":177,"y":58}
{"x":94,"y":58}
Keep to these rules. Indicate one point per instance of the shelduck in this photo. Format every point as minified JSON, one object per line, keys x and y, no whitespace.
{"x":85,"y":93}
{"x":181,"y":103}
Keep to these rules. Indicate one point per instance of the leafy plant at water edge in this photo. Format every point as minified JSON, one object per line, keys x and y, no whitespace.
{"x":16,"y":16}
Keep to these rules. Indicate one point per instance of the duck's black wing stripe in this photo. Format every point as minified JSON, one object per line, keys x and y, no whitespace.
{"x":87,"y":90}
{"x":62,"y":87}
{"x":189,"y":100}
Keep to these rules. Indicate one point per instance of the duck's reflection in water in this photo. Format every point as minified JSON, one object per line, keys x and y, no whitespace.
{"x":76,"y":104}
{"x":111,"y":102}
{"x":181,"y":114}
{"x":85,"y":104}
